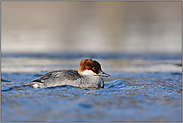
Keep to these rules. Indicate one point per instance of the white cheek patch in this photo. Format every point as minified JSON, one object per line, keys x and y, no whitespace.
{"x":88,"y":72}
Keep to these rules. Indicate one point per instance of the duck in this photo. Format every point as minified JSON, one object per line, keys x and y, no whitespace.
{"x":89,"y":75}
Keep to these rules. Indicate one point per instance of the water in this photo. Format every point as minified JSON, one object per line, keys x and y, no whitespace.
{"x":141,"y":88}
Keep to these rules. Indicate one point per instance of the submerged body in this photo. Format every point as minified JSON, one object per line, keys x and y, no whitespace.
{"x":88,"y":76}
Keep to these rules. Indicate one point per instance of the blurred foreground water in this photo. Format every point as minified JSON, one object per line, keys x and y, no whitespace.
{"x":146,"y":87}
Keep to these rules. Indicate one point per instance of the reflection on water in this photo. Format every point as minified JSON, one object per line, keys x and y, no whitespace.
{"x":152,"y":94}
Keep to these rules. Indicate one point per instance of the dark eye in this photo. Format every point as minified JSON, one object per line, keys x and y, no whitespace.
{"x":94,"y":68}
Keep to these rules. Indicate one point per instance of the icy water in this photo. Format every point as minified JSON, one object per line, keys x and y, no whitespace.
{"x":141,"y":88}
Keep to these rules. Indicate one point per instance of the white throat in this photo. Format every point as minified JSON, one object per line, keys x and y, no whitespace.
{"x":88,"y":72}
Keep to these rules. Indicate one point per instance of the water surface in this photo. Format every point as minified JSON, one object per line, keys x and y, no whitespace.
{"x":141,"y":88}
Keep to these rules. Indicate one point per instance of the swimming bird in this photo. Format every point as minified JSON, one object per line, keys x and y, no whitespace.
{"x":88,"y":76}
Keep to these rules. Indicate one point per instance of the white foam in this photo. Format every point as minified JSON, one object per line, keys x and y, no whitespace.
{"x":35,"y":85}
